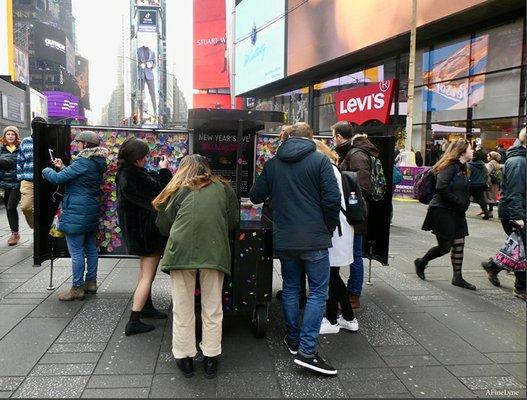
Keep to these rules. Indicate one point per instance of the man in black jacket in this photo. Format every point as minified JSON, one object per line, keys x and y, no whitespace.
{"x":512,"y":207}
{"x":306,"y":204}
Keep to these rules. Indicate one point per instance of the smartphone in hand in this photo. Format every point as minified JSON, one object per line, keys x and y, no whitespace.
{"x":51,"y":155}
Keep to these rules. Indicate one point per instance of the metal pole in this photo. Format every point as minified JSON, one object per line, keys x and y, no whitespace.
{"x":51,"y":287}
{"x":239,"y":159}
{"x":411,"y":79}
{"x":369,"y":282}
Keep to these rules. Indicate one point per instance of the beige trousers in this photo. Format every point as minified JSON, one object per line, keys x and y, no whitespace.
{"x":183,"y":284}
{"x":26,"y":201}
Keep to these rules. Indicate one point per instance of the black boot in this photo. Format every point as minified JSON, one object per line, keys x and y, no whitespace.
{"x":492,"y":272}
{"x":136,"y":326}
{"x":186,"y":365}
{"x":420,"y":268}
{"x":149,"y":311}
{"x":458,"y":280}
{"x":210,"y":365}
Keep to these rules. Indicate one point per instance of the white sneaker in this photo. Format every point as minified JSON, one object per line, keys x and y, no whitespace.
{"x":327,"y":327}
{"x":352,"y":325}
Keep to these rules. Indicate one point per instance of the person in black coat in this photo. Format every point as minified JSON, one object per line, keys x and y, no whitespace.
{"x":136,"y":188}
{"x":9,"y":150}
{"x":446,"y":212}
{"x":478,"y":181}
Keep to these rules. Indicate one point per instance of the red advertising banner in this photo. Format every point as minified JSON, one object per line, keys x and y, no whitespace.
{"x":212,"y":100}
{"x":210,"y":45}
{"x":365,"y":103}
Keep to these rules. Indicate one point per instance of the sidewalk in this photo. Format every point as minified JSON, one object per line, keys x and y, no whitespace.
{"x":417,"y":338}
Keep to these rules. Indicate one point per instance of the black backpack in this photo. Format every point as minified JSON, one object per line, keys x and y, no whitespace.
{"x":356,"y":210}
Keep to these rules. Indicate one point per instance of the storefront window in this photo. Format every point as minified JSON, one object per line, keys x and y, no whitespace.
{"x":492,"y":132}
{"x":447,"y":101}
{"x":497,"y":48}
{"x":495,"y":95}
{"x":439,"y":137}
{"x":447,"y":61}
{"x":325,"y":116}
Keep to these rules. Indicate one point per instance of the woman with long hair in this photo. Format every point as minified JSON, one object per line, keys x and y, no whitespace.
{"x":136,"y":188}
{"x":340,"y":255}
{"x":446,"y":212}
{"x":9,"y":150}
{"x":197,"y":209}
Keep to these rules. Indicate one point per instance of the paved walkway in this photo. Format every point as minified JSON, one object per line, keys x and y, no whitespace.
{"x":416,"y":339}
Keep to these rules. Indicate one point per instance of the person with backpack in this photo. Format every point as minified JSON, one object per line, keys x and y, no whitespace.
{"x":340,"y":254}
{"x":306,"y":205}
{"x":357,"y":154}
{"x":495,"y":176}
{"x":446,"y":213}
{"x":478,"y":181}
{"x":511,"y":208}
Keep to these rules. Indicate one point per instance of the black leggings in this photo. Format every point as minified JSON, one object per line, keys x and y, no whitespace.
{"x":444,"y":246}
{"x":338,"y":294}
{"x":478,"y":194}
{"x":11,"y":200}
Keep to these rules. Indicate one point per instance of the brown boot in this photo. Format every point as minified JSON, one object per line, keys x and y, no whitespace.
{"x":355,"y":301}
{"x":13,"y":239}
{"x":73,"y":294}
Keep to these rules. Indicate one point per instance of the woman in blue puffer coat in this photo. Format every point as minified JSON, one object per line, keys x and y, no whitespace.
{"x":81,"y":210}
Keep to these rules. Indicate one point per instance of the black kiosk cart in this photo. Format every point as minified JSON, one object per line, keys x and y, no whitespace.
{"x":227,"y":139}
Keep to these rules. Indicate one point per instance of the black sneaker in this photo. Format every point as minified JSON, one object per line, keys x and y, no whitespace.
{"x":153,"y":313}
{"x":210,"y":365}
{"x":293,"y":348}
{"x":137,"y":327}
{"x":186,"y":365}
{"x":315,"y":363}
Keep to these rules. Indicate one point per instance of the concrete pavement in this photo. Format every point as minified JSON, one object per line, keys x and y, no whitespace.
{"x":416,"y":339}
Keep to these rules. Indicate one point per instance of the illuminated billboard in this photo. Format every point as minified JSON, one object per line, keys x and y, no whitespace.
{"x":21,"y":66}
{"x":259,"y":43}
{"x":210,"y":45}
{"x":49,"y":44}
{"x":6,"y":37}
{"x":82,"y":75}
{"x":148,"y":75}
{"x":147,"y":3}
{"x":62,"y":104}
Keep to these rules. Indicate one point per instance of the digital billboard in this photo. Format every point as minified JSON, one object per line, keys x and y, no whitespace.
{"x":259,"y":43}
{"x":6,"y":37}
{"x":210,"y":45}
{"x":62,"y":104}
{"x":21,"y":66}
{"x":148,"y":75}
{"x":70,"y":58}
{"x":319,"y":31}
{"x":49,"y":44}
{"x":147,"y":21}
{"x":147,"y":3}
{"x":82,"y":75}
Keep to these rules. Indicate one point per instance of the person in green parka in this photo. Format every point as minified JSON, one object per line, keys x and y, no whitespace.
{"x":196,"y":210}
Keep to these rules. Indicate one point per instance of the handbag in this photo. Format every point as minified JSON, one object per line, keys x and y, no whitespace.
{"x":511,"y":256}
{"x":54,"y":229}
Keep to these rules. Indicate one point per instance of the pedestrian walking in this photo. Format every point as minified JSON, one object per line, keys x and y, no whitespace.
{"x":478,"y":181}
{"x":355,"y":152}
{"x":197,"y":209}
{"x":511,"y":209}
{"x":446,"y":212}
{"x":495,"y":176}
{"x":9,"y":151}
{"x":306,"y":204}
{"x":24,"y":172}
{"x":81,"y":210}
{"x":136,"y":188}
{"x":340,"y":255}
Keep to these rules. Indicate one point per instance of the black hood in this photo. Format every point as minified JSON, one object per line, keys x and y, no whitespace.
{"x":477,"y":164}
{"x":295,"y":149}
{"x":516,"y":150}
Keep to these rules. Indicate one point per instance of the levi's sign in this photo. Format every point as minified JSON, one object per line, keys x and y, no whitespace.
{"x":366,"y":103}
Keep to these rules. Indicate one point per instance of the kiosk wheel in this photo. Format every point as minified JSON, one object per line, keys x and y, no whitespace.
{"x":260,"y":320}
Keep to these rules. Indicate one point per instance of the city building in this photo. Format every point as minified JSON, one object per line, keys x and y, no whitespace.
{"x":325,"y":61}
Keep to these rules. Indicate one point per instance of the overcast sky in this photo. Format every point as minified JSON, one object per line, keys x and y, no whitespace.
{"x":98,"y":28}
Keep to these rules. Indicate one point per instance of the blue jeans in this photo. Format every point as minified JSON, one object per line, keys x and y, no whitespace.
{"x":80,"y":246}
{"x":316,"y":266}
{"x":356,"y":268}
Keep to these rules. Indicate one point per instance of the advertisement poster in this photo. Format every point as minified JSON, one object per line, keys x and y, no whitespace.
{"x":259,"y":43}
{"x":210,"y":45}
{"x":49,"y":44}
{"x":220,"y":150}
{"x":405,"y":189}
{"x":82,"y":75}
{"x":147,"y":3}
{"x":173,"y":145}
{"x":70,"y":58}
{"x":148,"y":76}
{"x":147,"y":21}
{"x":62,"y":104}
{"x":21,"y":66}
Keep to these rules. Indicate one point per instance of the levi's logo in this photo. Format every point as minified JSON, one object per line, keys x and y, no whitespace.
{"x":366,"y":103}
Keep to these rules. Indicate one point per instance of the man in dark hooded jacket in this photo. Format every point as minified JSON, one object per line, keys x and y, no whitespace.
{"x":306,"y":204}
{"x":512,"y":207}
{"x":355,"y":152}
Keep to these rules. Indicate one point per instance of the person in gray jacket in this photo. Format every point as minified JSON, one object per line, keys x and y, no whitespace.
{"x":512,"y":207}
